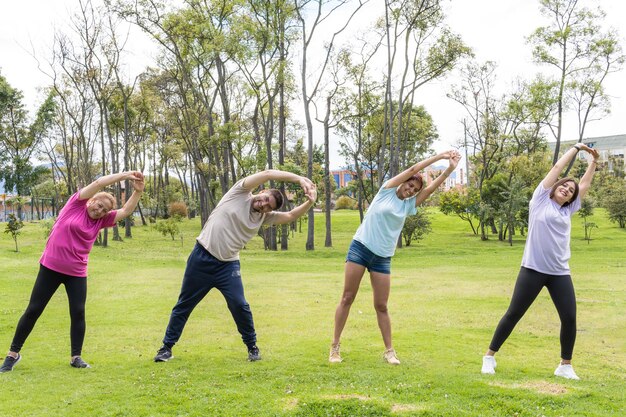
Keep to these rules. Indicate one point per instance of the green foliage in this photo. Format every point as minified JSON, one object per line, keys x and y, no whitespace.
{"x":50,"y":189}
{"x":416,"y":227}
{"x":122,"y":223}
{"x":46,"y":226}
{"x":419,"y":130}
{"x":615,"y":204}
{"x":345,"y":203}
{"x":19,"y":141}
{"x":576,"y":44}
{"x":461,"y":202}
{"x":586,"y":211}
{"x":13,"y":227}
{"x":170,"y":226}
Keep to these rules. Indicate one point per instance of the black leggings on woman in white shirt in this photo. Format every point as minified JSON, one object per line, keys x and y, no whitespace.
{"x":528,"y":286}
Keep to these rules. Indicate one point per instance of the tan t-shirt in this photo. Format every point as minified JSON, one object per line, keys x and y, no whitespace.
{"x":232,"y":224}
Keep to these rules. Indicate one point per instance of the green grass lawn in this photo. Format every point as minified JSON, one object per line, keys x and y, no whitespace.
{"x":448,"y":293}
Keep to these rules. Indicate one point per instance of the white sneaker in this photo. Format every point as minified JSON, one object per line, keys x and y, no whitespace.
{"x":489,"y":365}
{"x":334,"y":356}
{"x":566,"y":371}
{"x":390,"y":357}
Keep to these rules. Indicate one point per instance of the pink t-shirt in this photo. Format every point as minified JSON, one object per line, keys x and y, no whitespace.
{"x":72,"y":237}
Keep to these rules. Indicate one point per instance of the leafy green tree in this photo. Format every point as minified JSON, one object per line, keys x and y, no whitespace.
{"x":615,"y":204}
{"x":13,"y":227}
{"x":416,"y":227}
{"x":575,"y":45}
{"x":586,"y":211}
{"x":463,"y":203}
{"x":19,"y":141}
{"x":169,"y":226}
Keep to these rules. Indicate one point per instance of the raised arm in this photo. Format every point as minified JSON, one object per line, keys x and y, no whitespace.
{"x":454,"y":159}
{"x":302,"y":209}
{"x":553,"y":175}
{"x":251,"y":182}
{"x":131,"y":203}
{"x":93,"y":188}
{"x":585,"y":181}
{"x":409,"y":172}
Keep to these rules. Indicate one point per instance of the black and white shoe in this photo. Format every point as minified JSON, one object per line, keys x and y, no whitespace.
{"x":78,"y":362}
{"x":9,"y":363}
{"x":254,"y":354}
{"x":164,"y":354}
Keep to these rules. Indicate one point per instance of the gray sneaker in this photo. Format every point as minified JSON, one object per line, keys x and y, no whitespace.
{"x":164,"y":354}
{"x":254,"y":354}
{"x":78,"y":362}
{"x":9,"y":363}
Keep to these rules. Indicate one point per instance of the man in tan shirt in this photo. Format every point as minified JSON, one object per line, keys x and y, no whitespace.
{"x":214,"y":261}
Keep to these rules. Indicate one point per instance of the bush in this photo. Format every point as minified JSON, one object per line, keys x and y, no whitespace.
{"x":616,"y":206}
{"x":169,"y":226}
{"x":345,"y":203}
{"x":178,"y":208}
{"x":416,"y":227}
{"x":122,"y":223}
{"x":46,"y":225}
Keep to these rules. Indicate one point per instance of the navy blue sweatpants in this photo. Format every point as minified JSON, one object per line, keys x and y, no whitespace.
{"x":204,"y":272}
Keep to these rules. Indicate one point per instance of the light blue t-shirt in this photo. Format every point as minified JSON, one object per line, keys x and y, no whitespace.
{"x":549,"y":225}
{"x":384,"y":220}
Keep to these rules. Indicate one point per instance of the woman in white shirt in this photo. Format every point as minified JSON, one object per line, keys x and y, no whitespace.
{"x":545,"y":260}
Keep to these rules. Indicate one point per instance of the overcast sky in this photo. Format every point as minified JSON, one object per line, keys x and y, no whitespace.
{"x":495,"y":29}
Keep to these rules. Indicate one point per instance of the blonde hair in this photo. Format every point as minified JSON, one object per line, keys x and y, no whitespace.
{"x":103,"y":195}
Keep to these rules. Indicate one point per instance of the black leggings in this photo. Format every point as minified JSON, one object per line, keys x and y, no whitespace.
{"x":528,"y":286}
{"x":48,"y":281}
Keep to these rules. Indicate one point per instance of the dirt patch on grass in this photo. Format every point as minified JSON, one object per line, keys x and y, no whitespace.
{"x":405,"y":408}
{"x":347,"y":397}
{"x":540,"y":387}
{"x":544,"y":387}
{"x":290,"y":404}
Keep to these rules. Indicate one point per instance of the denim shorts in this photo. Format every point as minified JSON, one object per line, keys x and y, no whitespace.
{"x":359,"y":254}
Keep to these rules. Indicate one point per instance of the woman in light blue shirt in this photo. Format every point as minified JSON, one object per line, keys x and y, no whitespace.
{"x":375,"y":242}
{"x":545,"y":259}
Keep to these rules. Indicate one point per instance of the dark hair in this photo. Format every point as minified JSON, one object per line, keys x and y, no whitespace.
{"x":561,"y":182}
{"x":277,"y":196}
{"x":418,"y":178}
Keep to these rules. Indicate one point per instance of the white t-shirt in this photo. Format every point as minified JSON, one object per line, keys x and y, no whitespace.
{"x":549,"y":225}
{"x":232,"y":224}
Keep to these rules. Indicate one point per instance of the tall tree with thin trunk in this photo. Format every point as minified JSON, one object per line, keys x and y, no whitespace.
{"x":570,"y":45}
{"x":303,"y":7}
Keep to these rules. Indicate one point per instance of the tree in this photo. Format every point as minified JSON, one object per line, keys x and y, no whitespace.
{"x":615,"y":204}
{"x":13,"y":227}
{"x":308,"y":94}
{"x":416,"y":227}
{"x":582,"y":54}
{"x":461,"y":202}
{"x":169,"y":227}
{"x":586,"y":211}
{"x":422,"y":49}
{"x":19,"y":141}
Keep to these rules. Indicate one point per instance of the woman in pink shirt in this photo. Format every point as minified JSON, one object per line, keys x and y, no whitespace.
{"x":545,"y":260}
{"x":64,"y":260}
